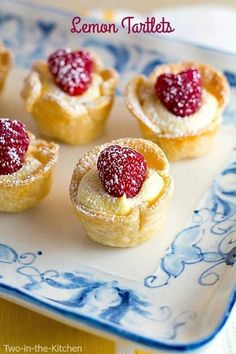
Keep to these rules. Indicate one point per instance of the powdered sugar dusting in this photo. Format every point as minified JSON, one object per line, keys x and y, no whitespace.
{"x":181,"y":94}
{"x":93,"y":196}
{"x":71,"y":70}
{"x":39,"y":160}
{"x":14,"y":142}
{"x":89,"y":160}
{"x":28,"y":169}
{"x":122,"y":170}
{"x":173,"y":126}
{"x":75,"y":105}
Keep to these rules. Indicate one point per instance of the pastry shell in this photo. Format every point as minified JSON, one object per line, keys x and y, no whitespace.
{"x":144,"y":221}
{"x":56,"y":120}
{"x":5,"y":65}
{"x":18,"y":194}
{"x":184,"y":146}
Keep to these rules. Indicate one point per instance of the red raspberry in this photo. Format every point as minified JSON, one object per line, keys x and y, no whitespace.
{"x":71,"y":70}
{"x":181,"y":94}
{"x":14,"y":142}
{"x":122,"y":170}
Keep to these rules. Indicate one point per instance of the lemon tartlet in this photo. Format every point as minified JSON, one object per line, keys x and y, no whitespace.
{"x":183,"y":114}
{"x":70,"y":96}
{"x":27,"y":167}
{"x":122,"y":217}
{"x":5,"y":65}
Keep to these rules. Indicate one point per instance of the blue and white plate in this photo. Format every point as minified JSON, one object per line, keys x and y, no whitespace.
{"x":176,"y":299}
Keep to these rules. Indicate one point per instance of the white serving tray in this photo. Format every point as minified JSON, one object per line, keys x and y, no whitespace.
{"x":177,"y":299}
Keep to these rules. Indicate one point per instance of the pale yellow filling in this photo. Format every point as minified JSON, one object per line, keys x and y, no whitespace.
{"x":30,"y":166}
{"x":93,"y":196}
{"x":74,"y":102}
{"x":168,"y":123}
{"x":40,"y":83}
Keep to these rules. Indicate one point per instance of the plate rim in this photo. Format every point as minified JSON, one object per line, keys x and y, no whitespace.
{"x":121,"y":333}
{"x":62,"y":313}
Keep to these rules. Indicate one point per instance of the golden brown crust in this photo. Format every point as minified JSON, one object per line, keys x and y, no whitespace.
{"x":16,"y":194}
{"x":144,"y":221}
{"x":55,"y":120}
{"x":184,"y":147}
{"x":5,"y":65}
{"x":179,"y":147}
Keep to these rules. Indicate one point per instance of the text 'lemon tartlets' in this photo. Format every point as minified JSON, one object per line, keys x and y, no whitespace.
{"x":144,"y":220}
{"x":70,"y":119}
{"x":179,"y":143}
{"x":5,"y":65}
{"x":32,"y":182}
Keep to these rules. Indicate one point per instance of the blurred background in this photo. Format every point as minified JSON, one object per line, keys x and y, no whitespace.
{"x":209,"y":23}
{"x":138,"y":5}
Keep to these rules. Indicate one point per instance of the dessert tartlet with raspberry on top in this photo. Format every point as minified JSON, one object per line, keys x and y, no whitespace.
{"x":5,"y":65}
{"x":179,"y":107}
{"x":70,"y":95}
{"x":120,"y":191}
{"x":26,"y":167}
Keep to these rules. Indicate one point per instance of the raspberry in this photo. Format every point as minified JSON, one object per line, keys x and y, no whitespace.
{"x":14,"y":142}
{"x":71,"y":70}
{"x":122,"y":170}
{"x":181,"y":94}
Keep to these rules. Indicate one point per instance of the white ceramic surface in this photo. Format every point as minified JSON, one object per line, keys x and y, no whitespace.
{"x":175,"y":299}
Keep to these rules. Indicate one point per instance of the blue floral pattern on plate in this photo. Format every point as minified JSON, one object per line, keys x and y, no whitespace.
{"x":120,"y":306}
{"x":216,"y":216}
{"x":206,"y":247}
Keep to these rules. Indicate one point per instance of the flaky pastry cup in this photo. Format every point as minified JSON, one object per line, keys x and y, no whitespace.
{"x":5,"y":65}
{"x":19,"y":194}
{"x":143,"y":222}
{"x":56,"y":120}
{"x":181,"y":146}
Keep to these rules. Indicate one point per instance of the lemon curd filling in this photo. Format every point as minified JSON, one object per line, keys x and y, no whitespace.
{"x":41,"y":82}
{"x":93,"y":92}
{"x":92,"y":194}
{"x":30,"y":166}
{"x":168,"y":123}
